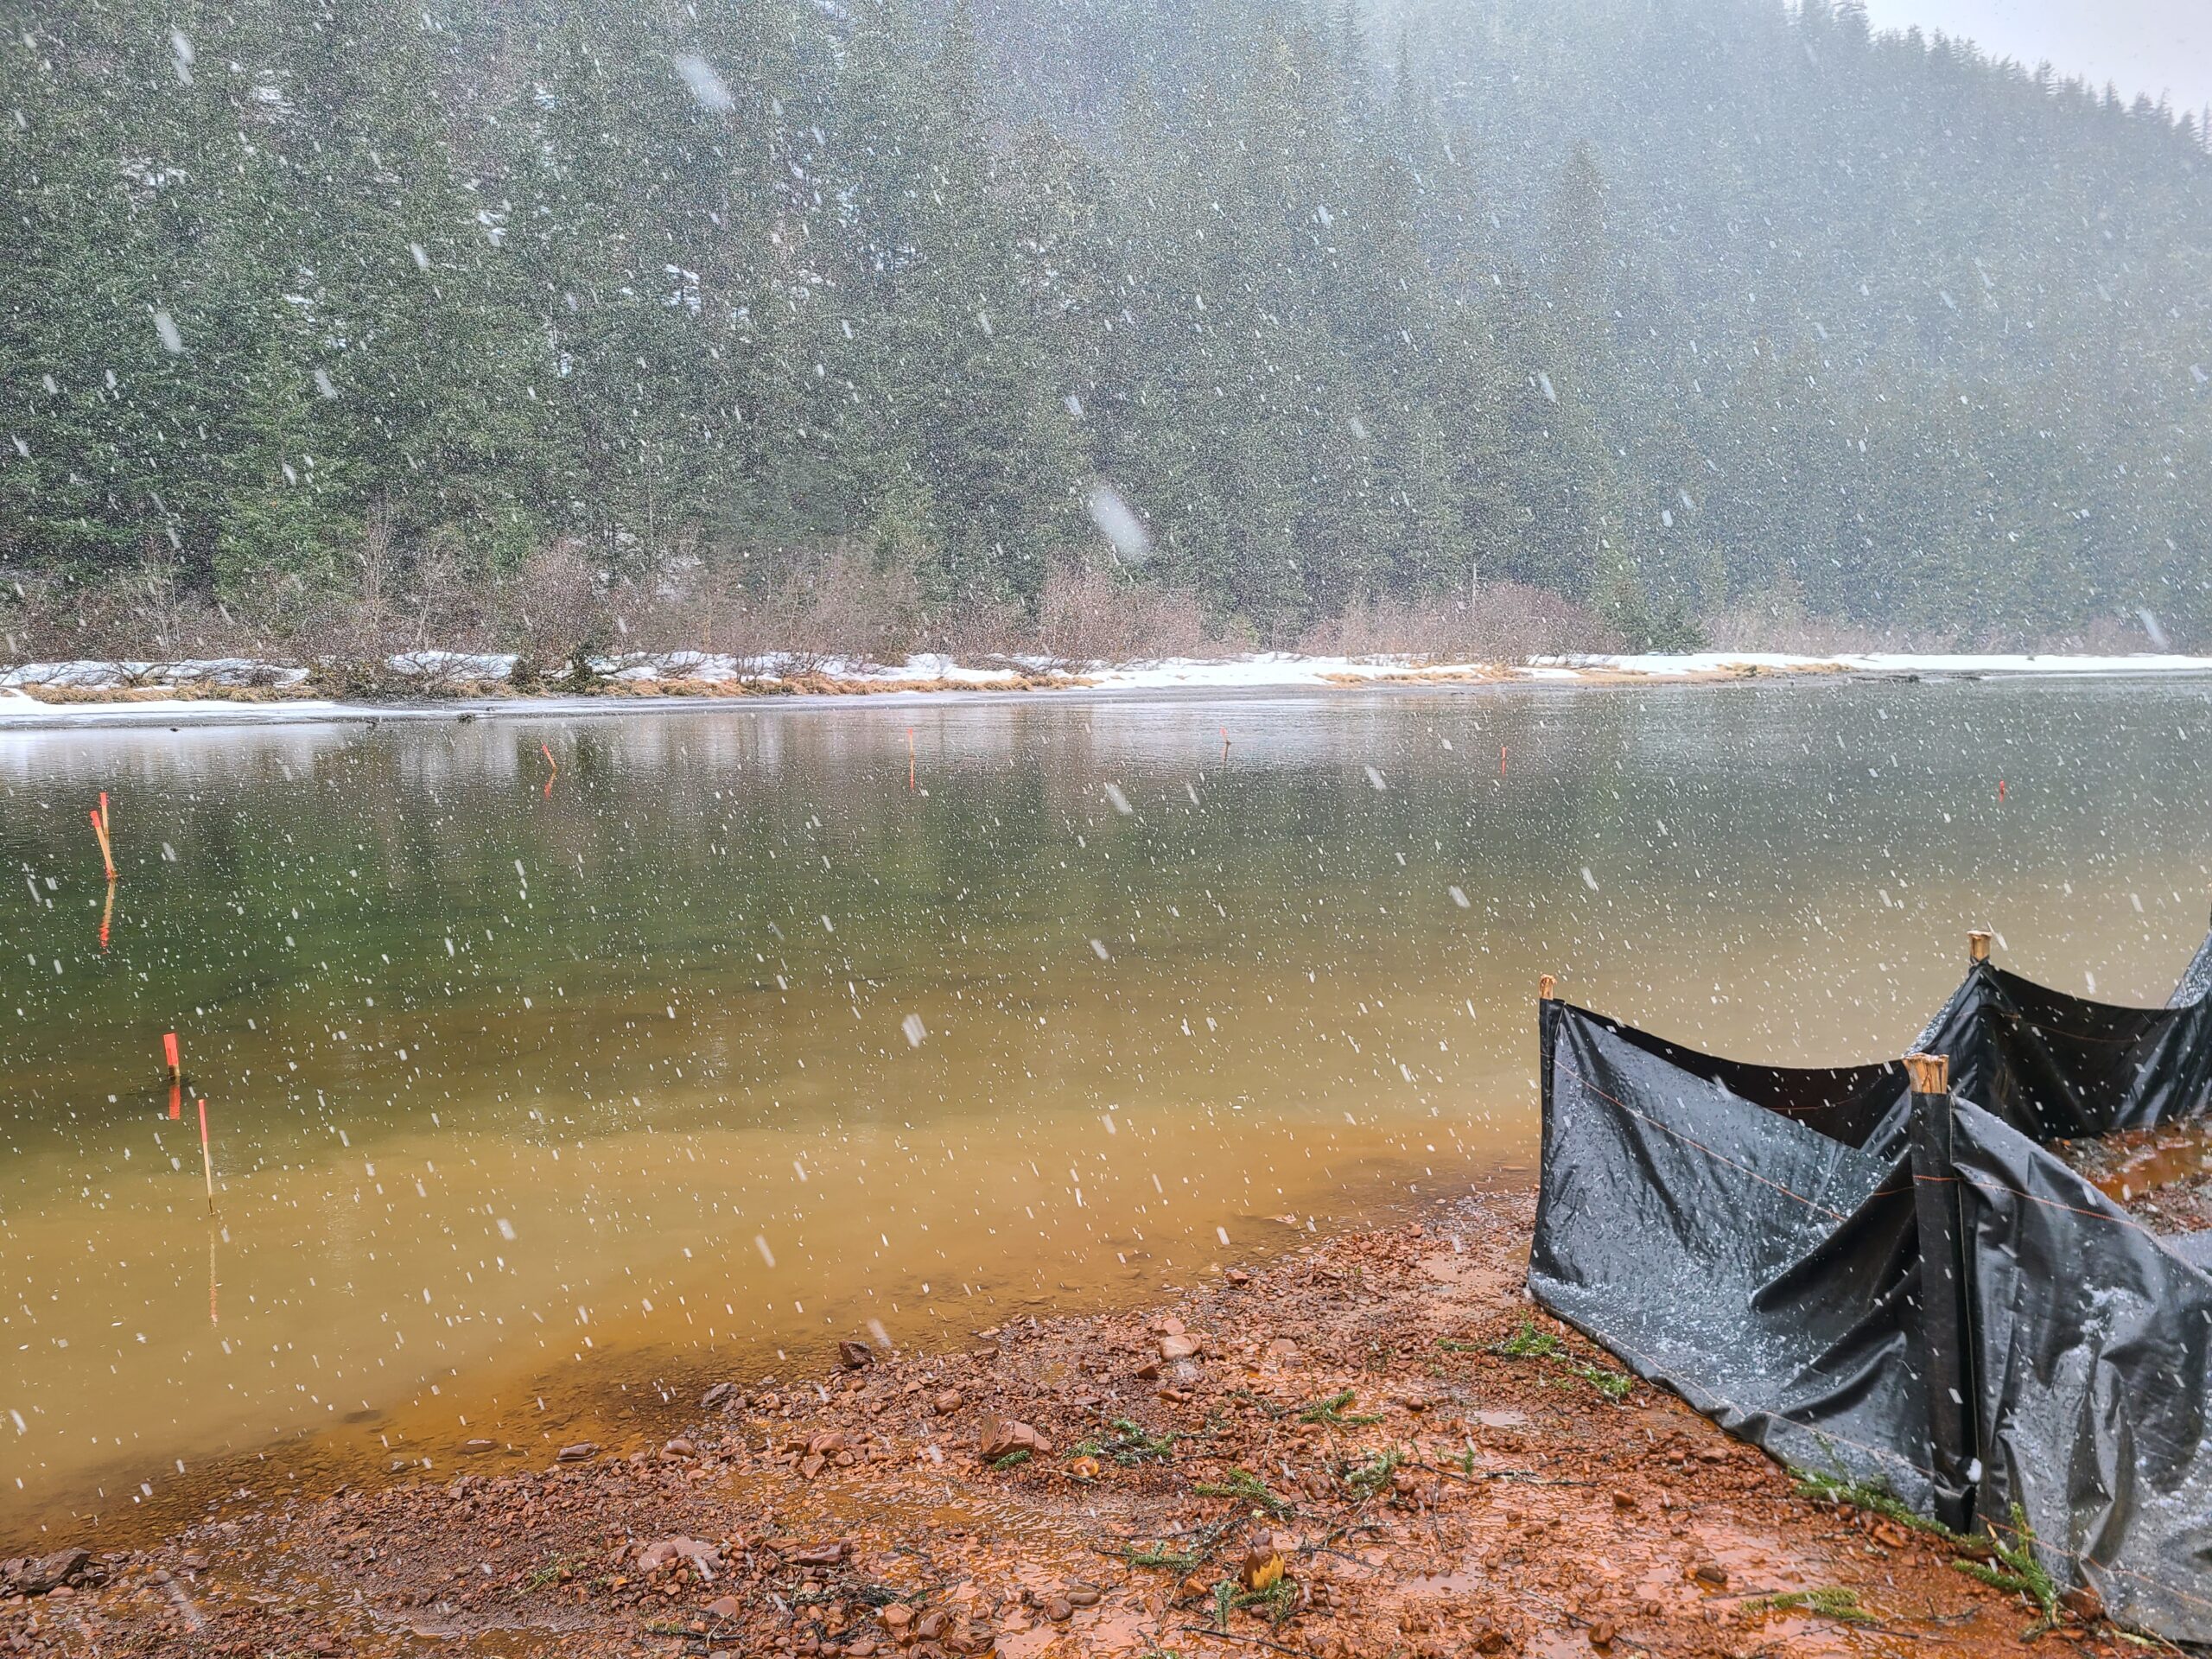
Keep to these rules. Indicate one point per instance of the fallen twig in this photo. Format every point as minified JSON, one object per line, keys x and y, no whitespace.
{"x":1232,"y":1636}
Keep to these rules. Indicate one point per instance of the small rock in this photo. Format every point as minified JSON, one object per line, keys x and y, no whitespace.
{"x":946,"y":1403}
{"x":1488,"y":1638}
{"x":811,"y":1465}
{"x":1009,"y":1435}
{"x":1179,"y":1346}
{"x":1624,"y":1500}
{"x":1149,"y":1371}
{"x":855,"y":1356}
{"x":582,"y":1451}
{"x":681,"y":1448}
{"x":829,"y":1440}
{"x":479,"y":1445}
{"x":725,"y":1607}
{"x":2085,"y":1603}
{"x":1602,"y":1634}
{"x":1238,"y":1276}
{"x":1710,"y":1573}
{"x":1083,"y":1469}
{"x":897,"y":1617}
{"x":668,"y":1551}
{"x":816,"y":1555}
{"x":716,"y":1395}
{"x":1263,"y":1564}
{"x":1059,"y":1609}
{"x":41,"y":1575}
{"x":1083,"y":1596}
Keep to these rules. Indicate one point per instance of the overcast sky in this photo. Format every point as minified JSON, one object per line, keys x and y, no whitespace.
{"x":2142,"y":46}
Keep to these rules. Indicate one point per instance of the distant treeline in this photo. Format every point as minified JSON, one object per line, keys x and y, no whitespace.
{"x":1670,"y":307}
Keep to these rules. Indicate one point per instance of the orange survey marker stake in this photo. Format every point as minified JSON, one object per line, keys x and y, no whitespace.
{"x":176,"y":1102}
{"x":910,"y":758}
{"x":99,"y":833}
{"x":206,"y":1157}
{"x":2000,"y":791}
{"x":550,"y":776}
{"x":1501,"y":759}
{"x":105,"y":825}
{"x":168,"y":1053}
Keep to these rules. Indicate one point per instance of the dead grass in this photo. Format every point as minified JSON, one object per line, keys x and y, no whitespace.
{"x":188,"y":692}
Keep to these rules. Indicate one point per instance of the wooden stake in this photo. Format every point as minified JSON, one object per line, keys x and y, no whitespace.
{"x":206,"y":1157}
{"x":1548,"y":988}
{"x":1978,"y":945}
{"x":1930,"y":1073}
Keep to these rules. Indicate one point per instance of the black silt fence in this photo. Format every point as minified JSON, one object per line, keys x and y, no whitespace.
{"x":1878,"y":1277}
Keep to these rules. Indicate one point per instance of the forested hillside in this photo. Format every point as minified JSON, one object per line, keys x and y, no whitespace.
{"x":1671,"y":307}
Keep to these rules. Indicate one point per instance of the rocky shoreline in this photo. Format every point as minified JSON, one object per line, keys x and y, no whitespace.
{"x":1372,"y":1447}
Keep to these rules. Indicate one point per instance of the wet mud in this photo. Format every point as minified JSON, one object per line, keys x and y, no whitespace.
{"x":1373,"y":1446}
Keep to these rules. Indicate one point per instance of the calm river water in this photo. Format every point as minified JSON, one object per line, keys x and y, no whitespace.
{"x":531,"y":1111}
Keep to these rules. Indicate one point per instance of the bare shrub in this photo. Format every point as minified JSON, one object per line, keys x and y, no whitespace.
{"x":148,"y":615}
{"x":552,"y":611}
{"x":978,"y":630}
{"x":1090,"y":614}
{"x":849,"y":605}
{"x":2124,"y":636}
{"x":1508,"y":622}
{"x":1780,"y":622}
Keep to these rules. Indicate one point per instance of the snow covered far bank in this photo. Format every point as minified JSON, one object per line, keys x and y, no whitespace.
{"x":444,"y":684}
{"x":1744,"y":662}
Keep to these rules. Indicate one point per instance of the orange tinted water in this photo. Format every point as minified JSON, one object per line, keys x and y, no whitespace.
{"x":530,"y":1112}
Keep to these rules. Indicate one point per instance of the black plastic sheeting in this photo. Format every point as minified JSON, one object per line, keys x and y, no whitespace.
{"x":1910,"y":1291}
{"x":2056,"y":1068}
{"x":2196,"y":984}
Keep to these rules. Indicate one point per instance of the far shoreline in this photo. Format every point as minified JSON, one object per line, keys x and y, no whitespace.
{"x":127,"y":695}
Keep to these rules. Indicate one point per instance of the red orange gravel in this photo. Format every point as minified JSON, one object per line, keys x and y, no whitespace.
{"x":1348,"y":1409}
